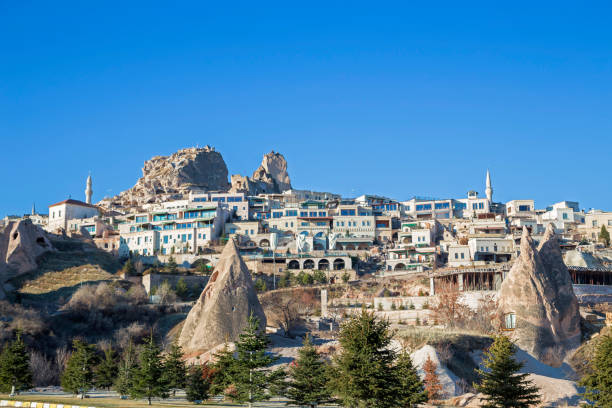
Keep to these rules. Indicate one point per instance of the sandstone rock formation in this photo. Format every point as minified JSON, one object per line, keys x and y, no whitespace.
{"x":538,"y":290}
{"x":172,"y":177}
{"x":21,"y":242}
{"x":270,"y":177}
{"x":221,"y":312}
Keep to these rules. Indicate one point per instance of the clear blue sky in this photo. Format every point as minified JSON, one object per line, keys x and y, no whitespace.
{"x":398,"y":99}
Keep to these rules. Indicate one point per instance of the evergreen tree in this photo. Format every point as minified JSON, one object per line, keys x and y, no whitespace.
{"x":598,"y":382}
{"x":260,"y":285}
{"x":106,"y":372}
{"x":249,"y":374}
{"x":308,"y":378}
{"x":171,"y":266}
{"x":364,"y":369}
{"x":181,"y":289}
{"x":127,"y":367}
{"x":15,"y":373}
{"x":500,"y":381}
{"x":198,"y":383}
{"x":174,"y":368}
{"x":128,"y":268}
{"x":78,"y":377}
{"x":432,"y":382}
{"x":409,"y":384}
{"x":222,"y":371}
{"x":604,"y":235}
{"x":149,"y":380}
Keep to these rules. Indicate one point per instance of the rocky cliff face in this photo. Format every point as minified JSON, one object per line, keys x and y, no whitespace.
{"x":21,"y":242}
{"x":199,"y":169}
{"x":538,"y":290}
{"x":221,"y":312}
{"x":172,"y":177}
{"x":270,"y":177}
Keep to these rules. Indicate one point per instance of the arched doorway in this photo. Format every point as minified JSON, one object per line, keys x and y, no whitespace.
{"x":399,"y":267}
{"x":309,"y":264}
{"x":264,"y":243}
{"x":338,"y":264}
{"x":293,"y":264}
{"x":323,"y":265}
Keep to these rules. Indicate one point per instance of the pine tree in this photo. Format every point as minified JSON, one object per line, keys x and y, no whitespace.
{"x":198,"y":383}
{"x":250,"y":375}
{"x":604,"y":235}
{"x":15,"y":373}
{"x":181,"y":289}
{"x":78,"y":377}
{"x":365,"y":367}
{"x":149,"y":380}
{"x":127,"y":367}
{"x":174,"y":368}
{"x":308,"y":378}
{"x":106,"y":372}
{"x":171,"y":265}
{"x":222,"y":371}
{"x":432,"y":382}
{"x":598,"y":382}
{"x":409,"y":384}
{"x":500,"y":381}
{"x":128,"y":268}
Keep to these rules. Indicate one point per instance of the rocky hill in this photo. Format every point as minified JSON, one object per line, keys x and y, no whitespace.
{"x":199,"y":169}
{"x":270,"y":177}
{"x":171,"y":177}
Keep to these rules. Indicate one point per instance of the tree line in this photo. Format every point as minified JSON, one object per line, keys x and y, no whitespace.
{"x":365,"y":372}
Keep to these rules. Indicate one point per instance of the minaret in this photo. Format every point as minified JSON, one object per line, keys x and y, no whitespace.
{"x":88,"y":190}
{"x":489,"y":190}
{"x":33,"y":208}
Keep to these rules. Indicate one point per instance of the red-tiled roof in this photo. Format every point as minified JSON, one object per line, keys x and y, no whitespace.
{"x":73,"y":202}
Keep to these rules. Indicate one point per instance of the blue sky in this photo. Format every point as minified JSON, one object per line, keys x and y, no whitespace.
{"x":400,"y":99}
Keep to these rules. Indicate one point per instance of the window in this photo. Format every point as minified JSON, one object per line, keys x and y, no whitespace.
{"x":313,"y":214}
{"x":610,"y":223}
{"x":510,"y":321}
{"x":456,"y":255}
{"x":321,"y":213}
{"x":524,"y":208}
{"x":347,"y":212}
{"x":303,"y":213}
{"x":462,"y":255}
{"x":480,"y":206}
{"x":277,"y":214}
{"x":423,"y":207}
{"x":594,"y":223}
{"x":474,"y":206}
{"x":441,"y":206}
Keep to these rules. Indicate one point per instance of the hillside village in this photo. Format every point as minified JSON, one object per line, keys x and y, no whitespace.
{"x":189,"y":253}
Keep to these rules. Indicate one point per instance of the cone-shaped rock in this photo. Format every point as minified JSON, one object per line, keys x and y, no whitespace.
{"x":221,"y":312}
{"x":538,"y":291}
{"x":565,"y":301}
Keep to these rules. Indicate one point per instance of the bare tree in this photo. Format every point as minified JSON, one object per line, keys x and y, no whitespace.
{"x":448,"y":309}
{"x":282,"y":308}
{"x":44,"y":371}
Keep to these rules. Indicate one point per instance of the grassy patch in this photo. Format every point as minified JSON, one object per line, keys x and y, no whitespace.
{"x":60,"y":272}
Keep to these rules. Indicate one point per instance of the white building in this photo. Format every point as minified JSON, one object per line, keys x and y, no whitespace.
{"x":174,"y":228}
{"x":63,"y":213}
